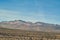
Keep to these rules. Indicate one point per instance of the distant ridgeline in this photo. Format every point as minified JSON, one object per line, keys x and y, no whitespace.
{"x":16,"y":34}
{"x":37,"y":26}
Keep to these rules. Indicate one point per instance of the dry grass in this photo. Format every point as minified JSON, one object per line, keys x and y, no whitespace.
{"x":15,"y":34}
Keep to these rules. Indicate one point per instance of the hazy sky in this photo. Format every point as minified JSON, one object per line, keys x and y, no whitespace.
{"x":30,"y":10}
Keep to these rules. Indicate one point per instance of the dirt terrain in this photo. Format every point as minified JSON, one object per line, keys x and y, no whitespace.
{"x":16,"y":34}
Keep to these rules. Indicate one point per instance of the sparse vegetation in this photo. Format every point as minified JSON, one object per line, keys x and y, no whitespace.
{"x":8,"y":34}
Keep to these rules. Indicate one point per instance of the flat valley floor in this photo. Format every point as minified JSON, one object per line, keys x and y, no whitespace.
{"x":15,"y":34}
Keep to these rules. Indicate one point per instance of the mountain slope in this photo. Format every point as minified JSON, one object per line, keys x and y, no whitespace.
{"x":38,"y":26}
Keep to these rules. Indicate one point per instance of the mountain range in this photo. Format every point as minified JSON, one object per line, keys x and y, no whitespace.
{"x":37,"y":26}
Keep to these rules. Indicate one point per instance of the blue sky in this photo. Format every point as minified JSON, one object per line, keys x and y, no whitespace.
{"x":30,"y":10}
